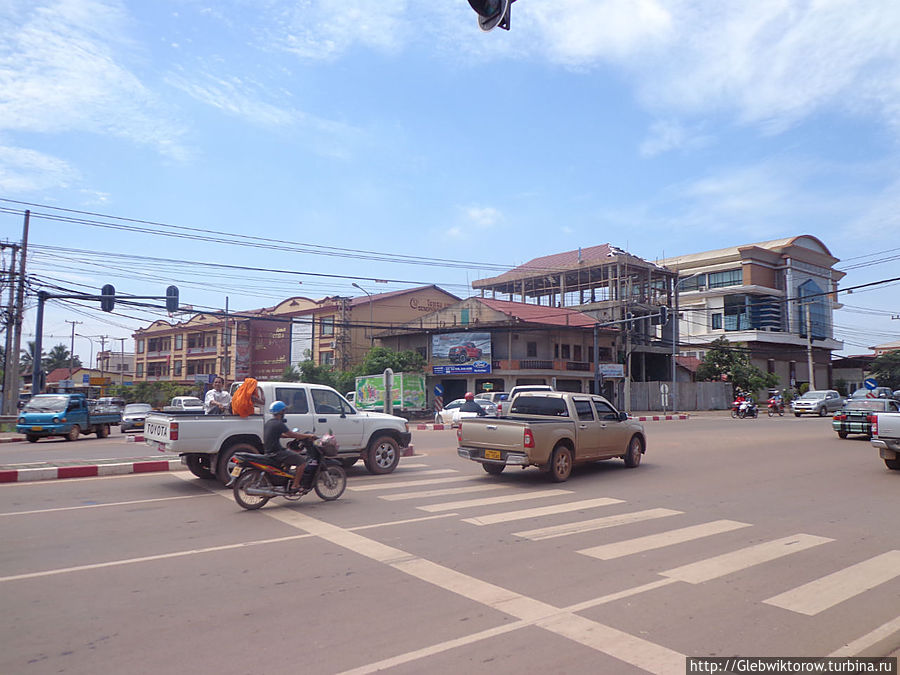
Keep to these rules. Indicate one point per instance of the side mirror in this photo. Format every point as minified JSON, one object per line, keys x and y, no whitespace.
{"x":623,"y":416}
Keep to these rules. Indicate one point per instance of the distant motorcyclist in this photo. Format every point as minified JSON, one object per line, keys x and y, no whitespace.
{"x":276,"y":429}
{"x":470,"y":406}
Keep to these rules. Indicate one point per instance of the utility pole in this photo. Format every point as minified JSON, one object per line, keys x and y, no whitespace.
{"x":103,"y":339}
{"x":122,"y":362}
{"x":72,"y":350}
{"x":225,"y":338}
{"x":20,"y":309}
{"x":11,"y":359}
{"x":809,"y":351}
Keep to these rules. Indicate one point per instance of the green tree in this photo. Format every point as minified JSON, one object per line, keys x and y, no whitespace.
{"x":886,"y":369}
{"x":732,"y":364}
{"x":59,"y":357}
{"x":376,"y":361}
{"x":26,"y":358}
{"x":157,"y":394}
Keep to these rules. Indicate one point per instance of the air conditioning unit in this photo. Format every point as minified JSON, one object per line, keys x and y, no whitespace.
{"x":333,"y":344}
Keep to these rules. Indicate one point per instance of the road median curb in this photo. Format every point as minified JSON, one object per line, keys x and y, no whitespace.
{"x":88,"y":470}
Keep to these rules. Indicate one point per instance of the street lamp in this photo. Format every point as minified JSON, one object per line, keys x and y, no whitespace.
{"x":371,"y":319}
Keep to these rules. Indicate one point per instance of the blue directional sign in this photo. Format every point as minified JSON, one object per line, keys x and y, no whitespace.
{"x":870,"y":383}
{"x":438,"y":390}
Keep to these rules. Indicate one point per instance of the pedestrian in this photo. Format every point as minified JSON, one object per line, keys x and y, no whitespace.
{"x":217,"y":400}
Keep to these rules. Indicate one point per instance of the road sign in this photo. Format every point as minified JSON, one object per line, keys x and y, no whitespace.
{"x":438,"y":390}
{"x":99,"y":381}
{"x":663,"y":388}
{"x":85,"y":379}
{"x":66,"y":384}
{"x":870,"y":383}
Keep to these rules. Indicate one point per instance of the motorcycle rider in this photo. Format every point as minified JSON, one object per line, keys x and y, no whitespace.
{"x":276,"y":429}
{"x":471,"y":406}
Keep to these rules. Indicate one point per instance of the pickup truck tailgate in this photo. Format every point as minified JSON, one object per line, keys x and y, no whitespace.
{"x":483,"y":433}
{"x":156,"y":429}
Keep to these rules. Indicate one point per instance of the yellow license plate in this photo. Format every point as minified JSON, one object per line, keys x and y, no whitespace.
{"x":37,"y":428}
{"x":492,"y":454}
{"x":138,"y":424}
{"x":236,"y":471}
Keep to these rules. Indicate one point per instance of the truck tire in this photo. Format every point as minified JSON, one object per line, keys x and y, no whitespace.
{"x":102,"y":431}
{"x":31,"y":438}
{"x":382,"y":455}
{"x":842,"y":434}
{"x":224,"y":463}
{"x":560,"y":464}
{"x":796,"y":414}
{"x":493,"y":469}
{"x":823,"y":411}
{"x":74,"y":434}
{"x":634,"y":452}
{"x":892,"y":464}
{"x":199,"y":466}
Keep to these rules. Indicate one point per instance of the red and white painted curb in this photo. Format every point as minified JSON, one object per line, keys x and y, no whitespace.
{"x":660,"y":418}
{"x":88,"y":471}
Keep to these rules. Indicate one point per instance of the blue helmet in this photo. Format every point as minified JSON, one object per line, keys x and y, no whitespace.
{"x":277,"y":407}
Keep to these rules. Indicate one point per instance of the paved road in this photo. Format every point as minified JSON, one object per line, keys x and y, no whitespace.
{"x":752,"y":537}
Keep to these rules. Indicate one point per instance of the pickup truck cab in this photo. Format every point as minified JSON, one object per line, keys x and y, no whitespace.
{"x":188,"y":404}
{"x":207,"y":443}
{"x":553,"y":431}
{"x":886,"y":437}
{"x":67,"y":415}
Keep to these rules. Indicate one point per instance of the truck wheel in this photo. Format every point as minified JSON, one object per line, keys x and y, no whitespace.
{"x":199,"y":466}
{"x":225,"y":462}
{"x":822,"y":411}
{"x":493,"y":469}
{"x":383,"y":455}
{"x":892,"y":464}
{"x":634,"y":452}
{"x":31,"y":438}
{"x":74,"y":434}
{"x":560,"y":464}
{"x":796,"y":414}
{"x":103,"y":431}
{"x":842,"y":434}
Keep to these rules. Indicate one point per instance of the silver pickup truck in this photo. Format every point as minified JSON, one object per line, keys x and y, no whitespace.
{"x":886,"y":437}
{"x":207,"y":443}
{"x":553,"y":431}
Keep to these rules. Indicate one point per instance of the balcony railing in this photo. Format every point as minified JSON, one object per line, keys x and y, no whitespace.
{"x":201,"y":350}
{"x":541,"y":364}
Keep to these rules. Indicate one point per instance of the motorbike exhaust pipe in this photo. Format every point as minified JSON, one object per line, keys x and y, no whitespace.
{"x":260,"y":492}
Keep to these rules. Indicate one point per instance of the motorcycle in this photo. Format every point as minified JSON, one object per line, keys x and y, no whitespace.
{"x":736,"y":407}
{"x":776,"y":407}
{"x":258,"y":478}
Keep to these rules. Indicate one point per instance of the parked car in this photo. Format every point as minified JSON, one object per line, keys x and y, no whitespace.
{"x":858,"y":414}
{"x":451,"y":414}
{"x":518,"y":389}
{"x":818,"y":402}
{"x":877,"y":392}
{"x":496,"y":397}
{"x":186,"y":404}
{"x":134,"y":415}
{"x":467,"y":351}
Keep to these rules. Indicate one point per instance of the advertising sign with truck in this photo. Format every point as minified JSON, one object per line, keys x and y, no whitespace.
{"x":408,"y":392}
{"x":461,"y":353}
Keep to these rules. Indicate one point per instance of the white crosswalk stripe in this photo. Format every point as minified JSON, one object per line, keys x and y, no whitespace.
{"x":835,"y":588}
{"x":488,"y":501}
{"x":728,"y":563}
{"x":426,"y":494}
{"x":541,"y":511}
{"x":654,"y":541}
{"x":390,"y":485}
{"x":595,"y":524}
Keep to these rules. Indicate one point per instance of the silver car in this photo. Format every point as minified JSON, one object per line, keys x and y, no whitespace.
{"x":819,"y":402}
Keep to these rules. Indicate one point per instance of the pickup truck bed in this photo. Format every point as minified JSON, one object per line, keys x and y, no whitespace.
{"x":886,"y":437}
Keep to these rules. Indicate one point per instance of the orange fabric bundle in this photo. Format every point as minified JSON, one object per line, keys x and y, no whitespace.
{"x":242,"y":401}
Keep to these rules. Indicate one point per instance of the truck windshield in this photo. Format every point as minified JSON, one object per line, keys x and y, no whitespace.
{"x":46,"y":404}
{"x":539,"y":405}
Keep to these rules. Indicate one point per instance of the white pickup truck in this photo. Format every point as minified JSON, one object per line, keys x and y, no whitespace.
{"x":886,"y":437}
{"x":207,"y":443}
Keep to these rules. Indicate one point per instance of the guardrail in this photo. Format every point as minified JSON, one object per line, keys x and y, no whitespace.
{"x":8,"y":419}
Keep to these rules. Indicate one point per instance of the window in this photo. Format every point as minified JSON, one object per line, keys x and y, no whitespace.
{"x":565,"y":352}
{"x":539,"y":405}
{"x":576,"y":352}
{"x":584,"y":410}
{"x":726,"y":278}
{"x":140,"y":370}
{"x":179,"y":341}
{"x":716,"y":321}
{"x":210,"y":339}
{"x":140,"y":346}
{"x":294,"y":399}
{"x":531,"y":350}
{"x":604,"y":410}
{"x":326,"y":402}
{"x":177,"y":369}
{"x":327,"y":325}
{"x":818,"y":310}
{"x":694,"y":283}
{"x":326,"y":358}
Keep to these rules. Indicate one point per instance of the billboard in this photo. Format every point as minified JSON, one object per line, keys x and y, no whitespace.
{"x":453,"y":353}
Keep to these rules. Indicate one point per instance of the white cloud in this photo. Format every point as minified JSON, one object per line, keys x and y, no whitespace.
{"x":24,"y":170}
{"x":485,"y":216}
{"x":668,"y":135}
{"x":59,"y":73}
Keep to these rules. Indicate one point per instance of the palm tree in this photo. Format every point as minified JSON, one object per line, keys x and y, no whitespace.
{"x":59,"y":357}
{"x":26,"y":358}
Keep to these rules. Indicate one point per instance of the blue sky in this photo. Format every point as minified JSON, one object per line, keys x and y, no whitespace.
{"x":398,"y":128}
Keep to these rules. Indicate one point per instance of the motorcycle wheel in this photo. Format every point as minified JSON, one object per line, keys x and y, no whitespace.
{"x":252,"y":478}
{"x":330,"y":483}
{"x":734,"y":413}
{"x":771,"y":412}
{"x":781,"y":413}
{"x":742,"y":414}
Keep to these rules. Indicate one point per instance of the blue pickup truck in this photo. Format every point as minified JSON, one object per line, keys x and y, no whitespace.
{"x":68,"y":415}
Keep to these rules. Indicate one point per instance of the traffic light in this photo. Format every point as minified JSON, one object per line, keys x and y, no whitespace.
{"x":663,"y":315}
{"x":172,"y":299}
{"x":492,"y":13}
{"x":107,"y":298}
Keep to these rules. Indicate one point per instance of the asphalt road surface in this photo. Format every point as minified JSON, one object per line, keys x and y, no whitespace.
{"x":766,"y":537}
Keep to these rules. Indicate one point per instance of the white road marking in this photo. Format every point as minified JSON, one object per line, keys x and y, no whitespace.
{"x":487,"y":501}
{"x":400,"y":522}
{"x":97,"y":506}
{"x":541,"y":511}
{"x":382,"y":477}
{"x":425,"y":494}
{"x":594,"y":524}
{"x":719,"y":566}
{"x":828,"y":591}
{"x":858,"y":646}
{"x":654,"y":541}
{"x":392,"y":485}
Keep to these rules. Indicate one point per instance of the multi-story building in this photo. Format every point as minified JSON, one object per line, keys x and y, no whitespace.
{"x":261,"y":343}
{"x":773,"y":298}
{"x":117,"y":365}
